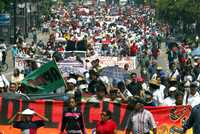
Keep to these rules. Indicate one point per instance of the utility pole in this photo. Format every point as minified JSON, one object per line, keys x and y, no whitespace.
{"x":15,"y":20}
{"x":25,"y":19}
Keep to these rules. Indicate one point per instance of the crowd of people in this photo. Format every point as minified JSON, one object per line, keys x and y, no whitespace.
{"x":132,"y":32}
{"x":136,"y":35}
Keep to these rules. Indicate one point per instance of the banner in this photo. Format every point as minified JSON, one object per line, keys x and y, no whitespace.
{"x":168,"y":119}
{"x":45,"y":79}
{"x":72,"y":66}
{"x":110,"y":61}
{"x":20,"y":63}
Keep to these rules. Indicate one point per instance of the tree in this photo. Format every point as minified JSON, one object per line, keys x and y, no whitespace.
{"x":4,"y":5}
{"x":181,"y":14}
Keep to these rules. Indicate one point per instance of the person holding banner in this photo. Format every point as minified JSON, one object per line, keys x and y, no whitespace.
{"x":25,"y":123}
{"x":193,"y":121}
{"x":141,"y":121}
{"x":72,"y":121}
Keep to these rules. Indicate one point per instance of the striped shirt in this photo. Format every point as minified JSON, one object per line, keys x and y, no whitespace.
{"x":72,"y":121}
{"x":141,"y":122}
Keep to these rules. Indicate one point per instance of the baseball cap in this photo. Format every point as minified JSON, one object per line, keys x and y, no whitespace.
{"x":71,"y":80}
{"x":171,"y":89}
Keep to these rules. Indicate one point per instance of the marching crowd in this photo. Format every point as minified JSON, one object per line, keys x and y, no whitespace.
{"x":134,"y":34}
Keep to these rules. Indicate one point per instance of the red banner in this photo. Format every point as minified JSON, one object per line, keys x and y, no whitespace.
{"x":168,"y":119}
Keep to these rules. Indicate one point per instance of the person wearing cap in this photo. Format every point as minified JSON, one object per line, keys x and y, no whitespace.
{"x":140,"y":121}
{"x":194,"y":97}
{"x":170,"y":100}
{"x":158,"y":92}
{"x":172,"y":82}
{"x":72,"y":120}
{"x":159,"y":73}
{"x":24,"y":121}
{"x":72,"y":90}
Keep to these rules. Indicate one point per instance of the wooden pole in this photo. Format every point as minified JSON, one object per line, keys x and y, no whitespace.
{"x":12,"y":118}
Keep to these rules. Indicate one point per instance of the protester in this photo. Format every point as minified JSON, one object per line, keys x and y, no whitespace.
{"x":106,"y":125}
{"x":149,"y":99}
{"x":193,"y":121}
{"x":194,"y":97}
{"x":4,"y":83}
{"x":179,"y":98}
{"x":170,"y":100}
{"x":158,"y":93}
{"x":94,"y":78}
{"x":25,"y":123}
{"x":82,"y":41}
{"x":17,"y":77}
{"x":13,"y":88}
{"x":72,"y":120}
{"x":72,"y":90}
{"x":3,"y":49}
{"x":116,"y":96}
{"x":101,"y":92}
{"x":14,"y":53}
{"x":140,"y":120}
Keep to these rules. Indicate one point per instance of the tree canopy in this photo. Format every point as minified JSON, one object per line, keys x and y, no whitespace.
{"x":5,"y":4}
{"x":179,"y":13}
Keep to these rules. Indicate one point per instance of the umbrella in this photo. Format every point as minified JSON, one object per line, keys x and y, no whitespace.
{"x":196,"y":52}
{"x":115,"y":72}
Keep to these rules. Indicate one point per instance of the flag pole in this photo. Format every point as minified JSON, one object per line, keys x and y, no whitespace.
{"x":60,"y":73}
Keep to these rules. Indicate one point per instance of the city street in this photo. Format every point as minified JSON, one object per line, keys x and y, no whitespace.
{"x":100,"y":66}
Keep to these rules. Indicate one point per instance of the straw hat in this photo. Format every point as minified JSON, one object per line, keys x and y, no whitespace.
{"x":172,"y":79}
{"x":154,"y":82}
{"x":28,"y":112}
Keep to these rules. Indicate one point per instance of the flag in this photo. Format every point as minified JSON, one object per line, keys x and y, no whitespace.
{"x":45,"y":79}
